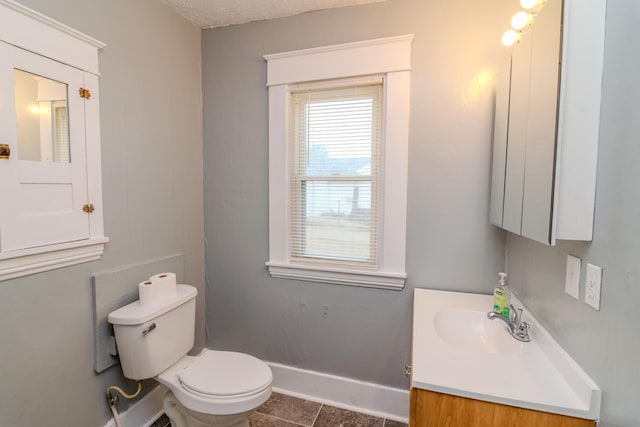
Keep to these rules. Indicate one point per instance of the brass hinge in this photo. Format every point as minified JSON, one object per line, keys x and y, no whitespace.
{"x":88,"y":208}
{"x":5,"y":151}
{"x":84,"y":93}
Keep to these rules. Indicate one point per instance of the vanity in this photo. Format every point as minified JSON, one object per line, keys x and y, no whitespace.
{"x":468,"y":371}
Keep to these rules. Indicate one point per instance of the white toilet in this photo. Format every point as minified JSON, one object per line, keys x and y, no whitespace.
{"x":214,"y":389}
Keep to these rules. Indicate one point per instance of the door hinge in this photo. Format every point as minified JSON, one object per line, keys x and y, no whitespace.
{"x":88,"y":208}
{"x":407,"y":370}
{"x":84,"y":93}
{"x":5,"y":151}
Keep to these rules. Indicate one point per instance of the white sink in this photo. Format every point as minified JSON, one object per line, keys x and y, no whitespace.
{"x":457,"y":350}
{"x":474,"y":332}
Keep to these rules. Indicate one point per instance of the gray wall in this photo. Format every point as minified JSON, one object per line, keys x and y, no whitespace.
{"x":353,"y":332}
{"x":152,"y":175}
{"x":604,"y":343}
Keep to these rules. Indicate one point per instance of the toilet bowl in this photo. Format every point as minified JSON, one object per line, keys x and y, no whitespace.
{"x":212,"y":389}
{"x":217,"y":388}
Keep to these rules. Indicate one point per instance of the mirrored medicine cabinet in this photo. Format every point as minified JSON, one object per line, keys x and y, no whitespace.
{"x":50,"y":168}
{"x":546,"y":125}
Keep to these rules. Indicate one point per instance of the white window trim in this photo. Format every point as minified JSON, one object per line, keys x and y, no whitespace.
{"x":30,"y":30}
{"x":390,"y":57}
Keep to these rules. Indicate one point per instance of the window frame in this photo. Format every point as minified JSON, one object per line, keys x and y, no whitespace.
{"x":390,"y":58}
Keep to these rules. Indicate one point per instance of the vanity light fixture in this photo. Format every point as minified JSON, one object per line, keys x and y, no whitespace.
{"x":522,"y":20}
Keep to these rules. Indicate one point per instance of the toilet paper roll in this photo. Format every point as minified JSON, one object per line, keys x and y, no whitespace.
{"x":148,"y":293}
{"x":166,"y":284}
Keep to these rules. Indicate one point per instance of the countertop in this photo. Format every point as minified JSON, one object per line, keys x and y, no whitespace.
{"x":537,"y":375}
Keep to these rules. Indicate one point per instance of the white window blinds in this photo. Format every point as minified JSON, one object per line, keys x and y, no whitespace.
{"x":335,"y":173}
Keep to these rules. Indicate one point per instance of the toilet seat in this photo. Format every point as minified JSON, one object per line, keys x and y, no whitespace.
{"x":225,"y":374}
{"x":219,"y":382}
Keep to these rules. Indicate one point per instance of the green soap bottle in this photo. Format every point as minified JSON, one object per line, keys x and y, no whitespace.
{"x":502,"y":296}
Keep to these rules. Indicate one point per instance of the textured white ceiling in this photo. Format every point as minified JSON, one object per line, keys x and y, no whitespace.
{"x":218,"y":13}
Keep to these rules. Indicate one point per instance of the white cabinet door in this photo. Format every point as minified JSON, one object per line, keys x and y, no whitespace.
{"x":43,"y":185}
{"x":526,"y":177}
{"x":544,"y":87}
{"x":517,"y":137}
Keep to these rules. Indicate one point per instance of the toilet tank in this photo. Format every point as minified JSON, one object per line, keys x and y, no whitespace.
{"x":151,"y":338}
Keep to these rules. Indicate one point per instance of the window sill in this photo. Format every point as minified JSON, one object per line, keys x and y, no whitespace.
{"x":366,"y":279}
{"x":36,"y":260}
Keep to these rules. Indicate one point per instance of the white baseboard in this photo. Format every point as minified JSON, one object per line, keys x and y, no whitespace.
{"x":346,"y":393}
{"x":143,"y":413}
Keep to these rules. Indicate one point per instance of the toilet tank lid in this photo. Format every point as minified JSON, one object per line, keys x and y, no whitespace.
{"x":136,"y":314}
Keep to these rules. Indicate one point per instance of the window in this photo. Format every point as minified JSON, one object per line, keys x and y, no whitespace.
{"x":335,"y":164}
{"x":338,"y":139}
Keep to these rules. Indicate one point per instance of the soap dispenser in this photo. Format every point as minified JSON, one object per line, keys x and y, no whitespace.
{"x":502,"y":296}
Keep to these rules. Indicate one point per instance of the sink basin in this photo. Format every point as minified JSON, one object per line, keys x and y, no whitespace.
{"x":473,"y":331}
{"x":457,"y":350}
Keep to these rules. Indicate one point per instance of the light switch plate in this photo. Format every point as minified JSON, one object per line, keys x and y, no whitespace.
{"x":572,"y":280}
{"x":593,"y":286}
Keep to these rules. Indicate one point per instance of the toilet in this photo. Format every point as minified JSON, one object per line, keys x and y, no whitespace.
{"x":212,"y":389}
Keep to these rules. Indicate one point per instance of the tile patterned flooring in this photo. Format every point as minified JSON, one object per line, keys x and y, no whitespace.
{"x":163,"y":421}
{"x":286,"y":411}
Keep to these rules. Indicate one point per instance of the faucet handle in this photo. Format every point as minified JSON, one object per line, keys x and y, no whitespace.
{"x":513,"y":314}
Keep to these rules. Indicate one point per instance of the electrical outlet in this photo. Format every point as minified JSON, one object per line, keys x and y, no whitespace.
{"x":593,"y":286}
{"x":572,"y":280}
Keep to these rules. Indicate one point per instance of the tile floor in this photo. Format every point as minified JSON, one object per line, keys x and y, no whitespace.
{"x":163,"y":421}
{"x":286,"y":411}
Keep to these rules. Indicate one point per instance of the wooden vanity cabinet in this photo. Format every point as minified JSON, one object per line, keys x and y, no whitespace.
{"x":432,"y":409}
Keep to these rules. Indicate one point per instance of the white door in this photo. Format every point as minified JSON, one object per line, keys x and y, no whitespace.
{"x":43,"y":183}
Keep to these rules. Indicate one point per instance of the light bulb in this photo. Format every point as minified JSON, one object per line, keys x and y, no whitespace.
{"x":530,"y":4}
{"x":521,"y":20}
{"x":510,"y":37}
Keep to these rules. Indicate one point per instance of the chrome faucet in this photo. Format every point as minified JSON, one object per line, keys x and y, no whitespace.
{"x":517,"y":328}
